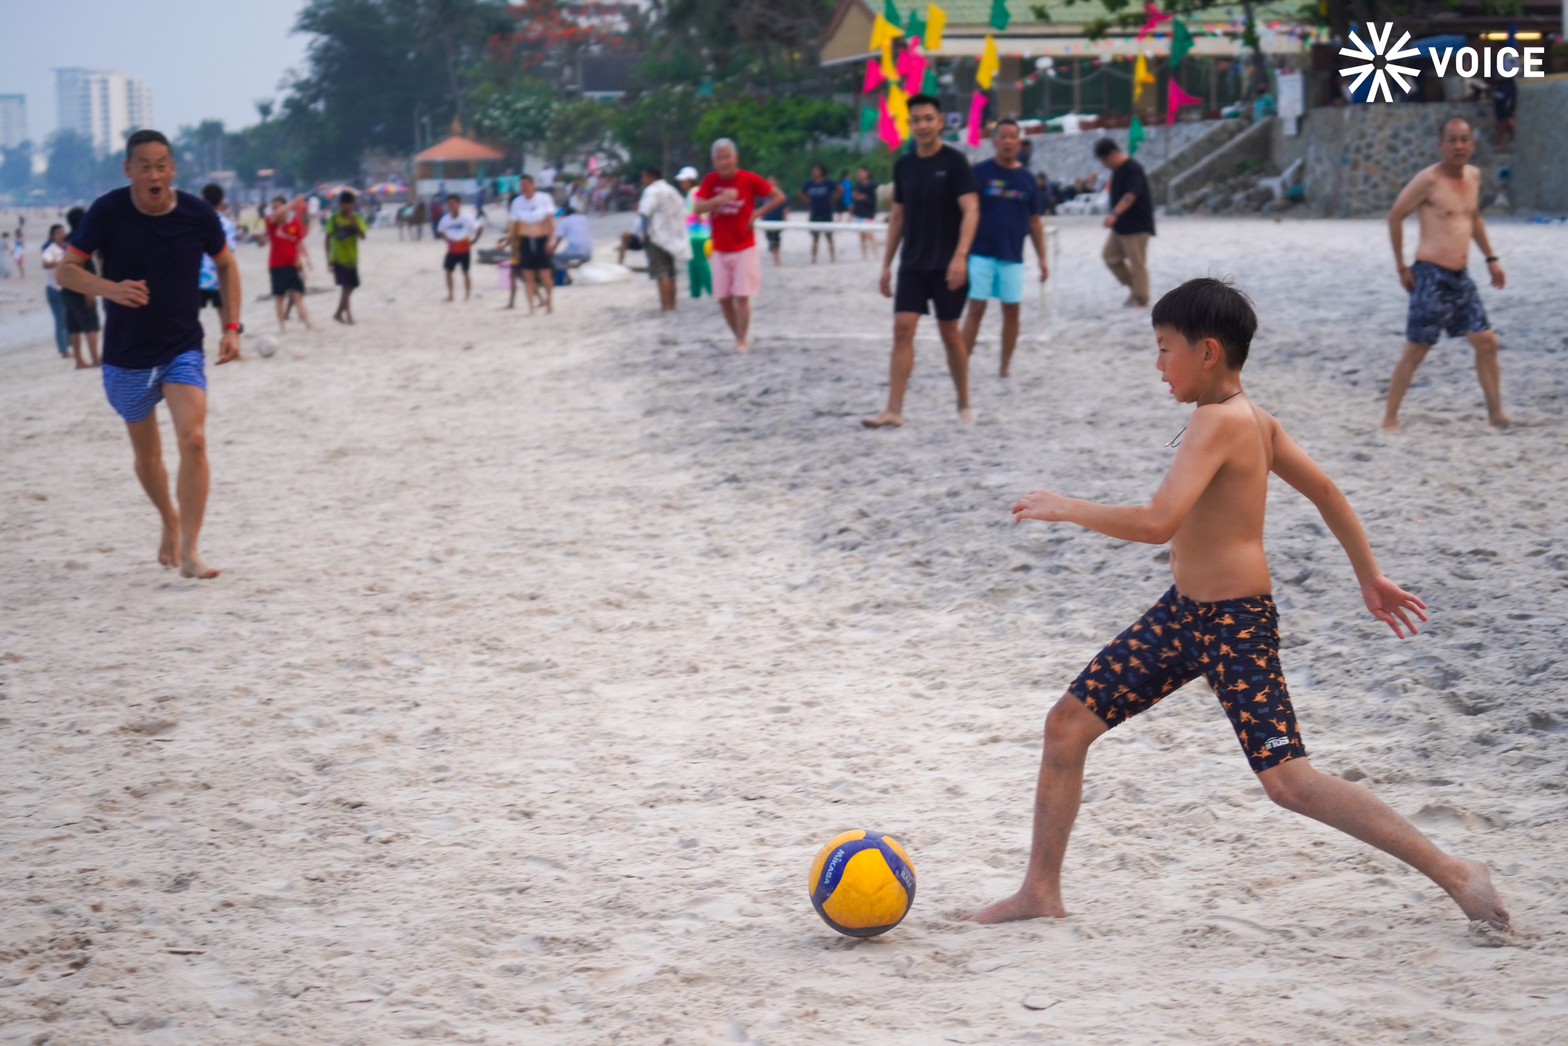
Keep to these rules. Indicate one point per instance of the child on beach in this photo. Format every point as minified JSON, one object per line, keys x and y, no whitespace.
{"x":1218,"y":620}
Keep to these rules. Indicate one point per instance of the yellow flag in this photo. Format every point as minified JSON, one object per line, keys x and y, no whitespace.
{"x":936,"y":21}
{"x":898,"y":108}
{"x":889,"y":70}
{"x":989,"y":64}
{"x":883,"y":33}
{"x":1141,"y":76}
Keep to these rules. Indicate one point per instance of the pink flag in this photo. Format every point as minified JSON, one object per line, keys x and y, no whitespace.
{"x":1156,"y":16}
{"x":912,"y":66}
{"x":874,"y":77}
{"x":1179,"y":98}
{"x":887,"y":129}
{"x":976,"y":115}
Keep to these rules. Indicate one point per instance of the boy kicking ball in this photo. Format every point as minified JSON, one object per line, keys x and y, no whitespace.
{"x":1218,"y":619}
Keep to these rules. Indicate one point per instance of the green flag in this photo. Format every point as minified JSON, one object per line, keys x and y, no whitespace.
{"x":999,"y":16}
{"x":915,"y":29}
{"x":890,"y":12}
{"x":933,"y":85}
{"x":1135,"y":136}
{"x":868,"y":120}
{"x":1181,"y":42}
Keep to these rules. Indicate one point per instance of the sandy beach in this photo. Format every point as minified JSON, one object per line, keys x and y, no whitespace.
{"x":548,"y":651}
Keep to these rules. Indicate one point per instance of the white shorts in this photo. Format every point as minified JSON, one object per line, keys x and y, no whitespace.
{"x":737,"y":274}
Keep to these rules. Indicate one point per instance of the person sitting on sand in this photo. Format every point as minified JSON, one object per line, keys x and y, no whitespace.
{"x":1447,"y":196}
{"x":1218,"y":620}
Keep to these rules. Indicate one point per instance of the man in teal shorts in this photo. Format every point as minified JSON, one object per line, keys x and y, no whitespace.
{"x":1010,"y":209}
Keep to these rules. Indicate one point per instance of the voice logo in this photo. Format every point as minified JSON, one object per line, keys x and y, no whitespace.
{"x":1380,"y":61}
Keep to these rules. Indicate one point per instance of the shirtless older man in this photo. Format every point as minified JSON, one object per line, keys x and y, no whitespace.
{"x":1447,"y":196}
{"x":532,"y":231}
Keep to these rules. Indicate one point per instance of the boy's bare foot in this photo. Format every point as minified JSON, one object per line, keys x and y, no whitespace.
{"x":743,"y":346}
{"x":1019,"y":906}
{"x":966,"y":416}
{"x":1499,"y":420}
{"x":82,"y":366}
{"x":1478,"y":898}
{"x":168,"y":553}
{"x":886,"y":420}
{"x":1390,"y":425}
{"x":191,"y":565}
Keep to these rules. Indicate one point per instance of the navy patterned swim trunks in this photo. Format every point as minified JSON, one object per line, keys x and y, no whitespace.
{"x":1443,"y":300}
{"x":1233,"y":643}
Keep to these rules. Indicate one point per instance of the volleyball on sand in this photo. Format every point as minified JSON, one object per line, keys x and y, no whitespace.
{"x":862,"y":883}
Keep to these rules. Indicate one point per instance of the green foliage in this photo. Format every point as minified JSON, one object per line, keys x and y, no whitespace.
{"x":521,"y":114}
{"x":777,"y":136}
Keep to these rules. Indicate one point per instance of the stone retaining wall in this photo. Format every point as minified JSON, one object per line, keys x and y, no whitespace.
{"x":1539,"y":183}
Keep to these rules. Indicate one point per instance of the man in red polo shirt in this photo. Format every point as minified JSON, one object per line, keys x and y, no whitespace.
{"x":730,"y":195}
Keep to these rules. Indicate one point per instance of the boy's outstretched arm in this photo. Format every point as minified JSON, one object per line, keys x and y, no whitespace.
{"x":1203,"y":450}
{"x":1388,"y":602}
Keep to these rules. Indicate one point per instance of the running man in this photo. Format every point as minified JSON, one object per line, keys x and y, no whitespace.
{"x":1218,"y":620}
{"x":532,"y":230}
{"x":934,"y":217}
{"x":1010,"y":208}
{"x":1131,"y":222}
{"x":1443,"y":298}
{"x":730,"y":195}
{"x":458,"y":230}
{"x":344,"y":229}
{"x":151,"y":239}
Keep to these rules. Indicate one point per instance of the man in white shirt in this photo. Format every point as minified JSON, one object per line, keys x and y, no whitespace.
{"x":54,"y":254}
{"x":532,"y":230}
{"x":458,"y":230}
{"x":664,"y":237}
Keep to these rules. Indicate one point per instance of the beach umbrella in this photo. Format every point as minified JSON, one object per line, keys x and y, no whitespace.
{"x":388,"y":189}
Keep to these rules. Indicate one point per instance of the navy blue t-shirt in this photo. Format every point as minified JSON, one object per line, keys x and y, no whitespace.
{"x":1008,"y":198}
{"x":165,"y":251}
{"x":820,"y":196}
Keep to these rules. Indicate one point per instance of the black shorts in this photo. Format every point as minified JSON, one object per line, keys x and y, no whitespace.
{"x":213,"y":298}
{"x":80,"y":318}
{"x":532,"y":253}
{"x":454,"y":260}
{"x":775,"y":238}
{"x":915,"y":289}
{"x":661,"y":263}
{"x":285,"y":278}
{"x":345,"y":276}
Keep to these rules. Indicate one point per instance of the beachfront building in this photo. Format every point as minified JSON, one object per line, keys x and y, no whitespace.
{"x":13,"y":120}
{"x":103,"y":106}
{"x":456,"y":164}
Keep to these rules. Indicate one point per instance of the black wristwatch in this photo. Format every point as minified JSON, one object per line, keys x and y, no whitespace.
{"x":1491,"y":258}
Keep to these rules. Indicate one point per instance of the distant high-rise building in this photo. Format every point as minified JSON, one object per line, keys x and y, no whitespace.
{"x":102,"y":106}
{"x":13,"y":120}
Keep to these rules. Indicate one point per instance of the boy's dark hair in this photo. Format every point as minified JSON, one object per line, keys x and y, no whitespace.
{"x":212,"y":192}
{"x":924,"y":99}
{"x":74,"y":216}
{"x":1105,"y":147}
{"x":1006,"y":121}
{"x":525,"y":177}
{"x":145,"y":137}
{"x":347,"y":196}
{"x":454,"y":196}
{"x":1210,"y":308}
{"x":653,"y":172}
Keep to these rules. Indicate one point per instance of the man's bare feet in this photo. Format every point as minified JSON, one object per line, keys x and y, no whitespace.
{"x":1390,"y":425}
{"x":168,"y":548}
{"x":82,"y":366}
{"x":1478,"y":898}
{"x":966,"y":416}
{"x":191,"y":565}
{"x":743,"y":346}
{"x":1019,"y":906}
{"x":886,"y":420}
{"x":1499,"y":420}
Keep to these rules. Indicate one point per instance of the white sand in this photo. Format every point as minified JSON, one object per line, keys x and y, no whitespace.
{"x":547,"y":652}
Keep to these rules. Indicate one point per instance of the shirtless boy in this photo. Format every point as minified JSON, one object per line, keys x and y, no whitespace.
{"x":1218,"y":619}
{"x":1447,"y":197}
{"x":532,"y":231}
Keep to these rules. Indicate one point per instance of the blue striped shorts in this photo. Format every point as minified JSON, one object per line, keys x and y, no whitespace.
{"x":134,"y":393}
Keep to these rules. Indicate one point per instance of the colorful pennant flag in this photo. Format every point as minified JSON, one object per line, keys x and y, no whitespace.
{"x":890,"y":12}
{"x":1181,"y":42}
{"x":868,"y":120}
{"x":976,"y":117}
{"x":889,"y":70}
{"x":933,"y":84}
{"x":990,"y":64}
{"x":936,"y":22}
{"x":1179,"y":98}
{"x":874,"y":77}
{"x":912,"y":65}
{"x":1155,"y":16}
{"x":1000,"y":18}
{"x":898,"y":109}
{"x":1141,"y":78}
{"x":1135,"y":136}
{"x":914,"y":29}
{"x":887,"y":129}
{"x":883,"y":32}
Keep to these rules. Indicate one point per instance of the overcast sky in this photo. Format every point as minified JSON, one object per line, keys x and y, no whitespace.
{"x":203,"y":59}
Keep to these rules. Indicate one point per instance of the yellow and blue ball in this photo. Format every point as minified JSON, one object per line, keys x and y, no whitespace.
{"x":862,"y":883}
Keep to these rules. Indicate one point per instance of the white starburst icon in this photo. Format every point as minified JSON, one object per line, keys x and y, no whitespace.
{"x":1369,"y":67}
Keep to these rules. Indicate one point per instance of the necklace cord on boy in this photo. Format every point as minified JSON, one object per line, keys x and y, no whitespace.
{"x":1176,"y":439}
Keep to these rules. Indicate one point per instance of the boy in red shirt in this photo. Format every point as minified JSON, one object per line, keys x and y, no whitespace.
{"x":730,"y":196}
{"x":285,"y":233}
